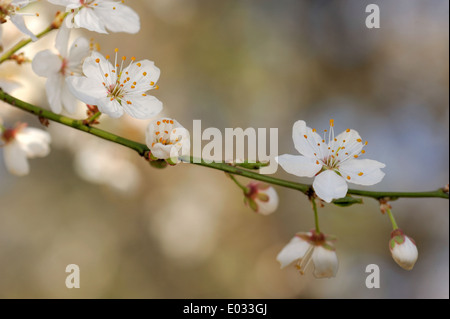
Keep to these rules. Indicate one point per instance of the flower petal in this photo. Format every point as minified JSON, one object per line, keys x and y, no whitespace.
{"x":46,"y":63}
{"x":96,"y":71}
{"x":294,"y":250}
{"x":34,"y":142}
{"x":142,"y":107}
{"x":15,"y":159}
{"x":110,"y":107}
{"x":85,"y":89}
{"x":328,"y":185}
{"x":299,"y":165}
{"x":325,"y":262}
{"x":362,"y":172}
{"x":87,"y":18}
{"x":306,"y":141}
{"x":19,"y":22}
{"x":78,"y":52}
{"x":62,"y":40}
{"x":68,"y":100}
{"x":118,"y":17}
{"x":352,"y":142}
{"x":53,"y":88}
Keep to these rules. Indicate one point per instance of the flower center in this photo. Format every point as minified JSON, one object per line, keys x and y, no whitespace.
{"x":9,"y":134}
{"x":120,"y":82}
{"x":165,"y":133}
{"x":332,"y":151}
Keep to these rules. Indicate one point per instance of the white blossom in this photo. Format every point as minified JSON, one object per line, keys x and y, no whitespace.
{"x":262,"y":198}
{"x":21,"y":143}
{"x":116,"y":89}
{"x":403,"y":249}
{"x":167,"y":139}
{"x":57,"y":67}
{"x":307,"y":247}
{"x":333,"y":161}
{"x":100,"y":15}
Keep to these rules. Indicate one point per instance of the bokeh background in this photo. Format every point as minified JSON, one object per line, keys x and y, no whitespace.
{"x":183,"y":232}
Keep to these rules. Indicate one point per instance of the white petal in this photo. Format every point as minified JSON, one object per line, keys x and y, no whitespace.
{"x":294,"y":250}
{"x":20,"y":24}
{"x":270,"y":206}
{"x":162,"y":151}
{"x":325,"y":262}
{"x":85,"y":89}
{"x":78,"y":52}
{"x":15,"y":159}
{"x":306,"y":141}
{"x":68,"y":100}
{"x":87,"y":18}
{"x":328,"y":185}
{"x":53,"y":88}
{"x":299,"y":165}
{"x":111,"y":108}
{"x":96,"y":71}
{"x":353,"y":144}
{"x":65,"y":2}
{"x":34,"y":142}
{"x":370,"y":169}
{"x":142,"y":107}
{"x":62,"y":40}
{"x":405,"y":254}
{"x":46,"y":63}
{"x":118,"y":17}
{"x":137,"y":72}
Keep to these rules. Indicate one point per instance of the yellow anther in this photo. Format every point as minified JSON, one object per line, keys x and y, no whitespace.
{"x":331,"y":122}
{"x":116,"y":50}
{"x":360,"y":174}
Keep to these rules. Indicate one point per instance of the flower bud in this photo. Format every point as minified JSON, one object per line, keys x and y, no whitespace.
{"x":262,"y":198}
{"x":403,"y":249}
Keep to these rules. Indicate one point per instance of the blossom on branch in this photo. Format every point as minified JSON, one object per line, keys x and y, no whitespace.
{"x":262,"y":198}
{"x":100,"y":15}
{"x":311,"y":246}
{"x":333,"y":161}
{"x":403,"y":249}
{"x":21,"y":143}
{"x":116,"y":89}
{"x":10,"y":9}
{"x":168,"y":140}
{"x":57,"y":67}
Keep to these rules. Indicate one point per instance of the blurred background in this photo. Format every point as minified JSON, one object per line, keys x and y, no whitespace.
{"x":184,"y":232}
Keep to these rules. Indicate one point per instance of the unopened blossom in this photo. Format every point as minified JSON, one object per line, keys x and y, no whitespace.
{"x":403,"y":249}
{"x":118,"y":88}
{"x":309,"y":247}
{"x":10,"y":9}
{"x":333,"y":161}
{"x":21,"y":143}
{"x":168,"y":140}
{"x":100,"y":15}
{"x":262,"y":198}
{"x":57,"y":67}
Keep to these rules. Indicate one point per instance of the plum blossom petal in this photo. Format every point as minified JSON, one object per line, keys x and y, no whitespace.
{"x":328,"y":185}
{"x":362,"y":172}
{"x":325,"y":262}
{"x":294,"y":250}
{"x":299,"y":165}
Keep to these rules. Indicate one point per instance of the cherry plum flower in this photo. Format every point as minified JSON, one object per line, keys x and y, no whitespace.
{"x":307,"y":247}
{"x":333,"y":163}
{"x":21,"y":143}
{"x":116,"y":89}
{"x":168,"y":140}
{"x":57,"y":67}
{"x":262,"y":198}
{"x":100,"y":15}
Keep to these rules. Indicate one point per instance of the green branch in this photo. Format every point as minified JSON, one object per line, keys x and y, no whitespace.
{"x":142,"y":150}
